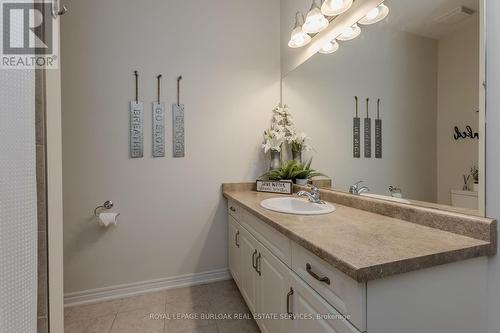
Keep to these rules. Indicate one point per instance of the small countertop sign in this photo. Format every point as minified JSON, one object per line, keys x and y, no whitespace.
{"x":275,"y":186}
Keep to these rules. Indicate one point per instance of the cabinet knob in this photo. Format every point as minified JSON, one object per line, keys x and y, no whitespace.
{"x":232,"y":209}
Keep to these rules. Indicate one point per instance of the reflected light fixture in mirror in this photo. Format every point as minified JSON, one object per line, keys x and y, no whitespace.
{"x":329,"y":47}
{"x":298,"y":38}
{"x":349,"y":33}
{"x":375,"y":15}
{"x":335,"y":7}
{"x":315,"y":20}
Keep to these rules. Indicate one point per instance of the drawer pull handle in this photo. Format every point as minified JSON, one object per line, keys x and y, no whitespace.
{"x":257,"y":264}
{"x":232,"y":209}
{"x":237,"y":239}
{"x":290,"y":313}
{"x":253,"y":260}
{"x":314,"y":275}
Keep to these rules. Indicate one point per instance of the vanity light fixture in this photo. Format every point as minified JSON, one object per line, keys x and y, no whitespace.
{"x":329,"y":47}
{"x":298,"y":38}
{"x":335,"y":7}
{"x":375,"y":15}
{"x":349,"y":33}
{"x":315,"y":20}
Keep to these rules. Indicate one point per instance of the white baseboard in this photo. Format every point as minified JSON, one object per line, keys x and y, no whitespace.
{"x":144,"y":287}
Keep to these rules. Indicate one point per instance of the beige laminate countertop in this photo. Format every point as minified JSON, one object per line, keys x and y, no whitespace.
{"x":362,"y":244}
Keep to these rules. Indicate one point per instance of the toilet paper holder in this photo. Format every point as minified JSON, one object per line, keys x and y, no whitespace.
{"x":106,"y":205}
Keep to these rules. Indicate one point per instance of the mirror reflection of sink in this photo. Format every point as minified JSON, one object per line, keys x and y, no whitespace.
{"x":290,"y":205}
{"x":385,"y":197}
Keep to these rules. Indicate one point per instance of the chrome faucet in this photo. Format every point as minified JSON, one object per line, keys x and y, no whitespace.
{"x":313,"y":196}
{"x":357,"y":190}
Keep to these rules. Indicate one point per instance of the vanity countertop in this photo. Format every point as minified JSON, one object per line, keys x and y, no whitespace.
{"x":365,"y":245}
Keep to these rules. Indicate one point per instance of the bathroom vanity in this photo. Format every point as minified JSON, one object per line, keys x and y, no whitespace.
{"x":362,"y":268}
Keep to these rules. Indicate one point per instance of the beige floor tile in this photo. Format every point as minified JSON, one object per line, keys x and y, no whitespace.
{"x":223,"y":286}
{"x":223,"y":292}
{"x":204,"y":329}
{"x":240,"y":326}
{"x":190,"y":295}
{"x":97,"y":325}
{"x":147,"y":313}
{"x":229,"y":304}
{"x":91,"y":311}
{"x":143,"y":301}
{"x":187,"y":317}
{"x":139,"y":321}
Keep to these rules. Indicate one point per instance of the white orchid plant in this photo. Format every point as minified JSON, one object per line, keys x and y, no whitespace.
{"x":299,"y":143}
{"x":273,"y":140}
{"x":282,"y":131}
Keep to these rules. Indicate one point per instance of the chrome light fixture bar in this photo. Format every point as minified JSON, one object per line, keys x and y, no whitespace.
{"x":298,"y":37}
{"x":315,"y":20}
{"x":375,"y":15}
{"x":335,"y":7}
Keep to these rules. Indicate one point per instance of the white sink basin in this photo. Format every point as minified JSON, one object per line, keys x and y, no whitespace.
{"x":297,"y":206}
{"x":385,"y":197}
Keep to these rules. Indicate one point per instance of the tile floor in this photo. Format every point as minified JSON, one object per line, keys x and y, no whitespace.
{"x":154,"y":313}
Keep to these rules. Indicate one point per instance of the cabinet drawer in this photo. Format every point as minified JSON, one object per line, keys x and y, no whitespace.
{"x":277,"y":243}
{"x":343,"y":293}
{"x":233,"y":209}
{"x":320,"y":317}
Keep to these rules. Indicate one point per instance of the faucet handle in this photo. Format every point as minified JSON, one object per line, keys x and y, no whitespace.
{"x":354,"y":187}
{"x":313,"y":188}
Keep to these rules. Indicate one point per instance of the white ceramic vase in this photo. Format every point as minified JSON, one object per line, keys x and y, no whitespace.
{"x":302,"y":182}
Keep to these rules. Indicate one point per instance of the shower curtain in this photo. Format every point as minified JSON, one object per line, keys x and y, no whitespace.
{"x":18,"y":203}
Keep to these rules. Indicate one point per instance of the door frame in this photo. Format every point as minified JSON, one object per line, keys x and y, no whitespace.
{"x":54,"y":195}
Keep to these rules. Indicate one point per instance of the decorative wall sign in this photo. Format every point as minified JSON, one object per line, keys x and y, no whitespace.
{"x":467,"y":134}
{"x":158,"y":128}
{"x":178,"y":129}
{"x":378,"y":133}
{"x":178,"y":123}
{"x":368,"y":132}
{"x":275,"y":186}
{"x":356,"y":133}
{"x":136,"y":123}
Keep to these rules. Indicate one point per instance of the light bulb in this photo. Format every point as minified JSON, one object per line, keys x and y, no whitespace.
{"x":335,"y":7}
{"x":298,"y":37}
{"x":349,"y":33}
{"x":315,"y":20}
{"x":329,"y":47}
{"x":375,"y":15}
{"x":372,"y":13}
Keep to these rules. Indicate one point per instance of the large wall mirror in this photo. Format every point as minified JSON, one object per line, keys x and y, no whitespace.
{"x":420,"y":72}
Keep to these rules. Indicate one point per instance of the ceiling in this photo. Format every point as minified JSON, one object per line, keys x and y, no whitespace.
{"x":417,"y":16}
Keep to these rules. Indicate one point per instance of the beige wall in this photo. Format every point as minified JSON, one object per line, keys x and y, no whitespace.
{"x":399,"y":68}
{"x":458,"y":101}
{"x":172,"y":218}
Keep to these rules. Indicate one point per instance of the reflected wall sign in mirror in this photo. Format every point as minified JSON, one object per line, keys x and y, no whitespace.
{"x":424,"y":60}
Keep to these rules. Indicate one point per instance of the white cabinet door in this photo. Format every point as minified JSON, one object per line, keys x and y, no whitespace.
{"x":313,"y":313}
{"x":272,"y":288}
{"x":234,"y":254}
{"x":248,"y":276}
